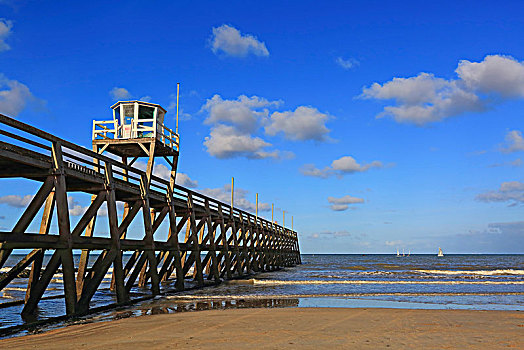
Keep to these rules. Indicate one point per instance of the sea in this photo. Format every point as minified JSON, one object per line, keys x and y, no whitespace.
{"x":417,"y":281}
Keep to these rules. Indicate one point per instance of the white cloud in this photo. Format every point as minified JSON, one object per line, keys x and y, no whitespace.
{"x":230,"y":41}
{"x":329,"y":234}
{"x":339,"y":207}
{"x":348,"y":164}
{"x":240,"y":201}
{"x":16,"y":200}
{"x":119,"y":93}
{"x":305,"y":123}
{"x":514,"y":163}
{"x":347,"y":64}
{"x":227,"y":142}
{"x":498,"y":74}
{"x":311,"y":170}
{"x":514,"y":142}
{"x":341,"y":204}
{"x":235,"y":124}
{"x":15,"y":97}
{"x":347,"y":199}
{"x":339,"y":167}
{"x":511,"y":191}
{"x":184,"y":180}
{"x":75,"y":209}
{"x":244,"y":112}
{"x":5,"y":31}
{"x":424,"y":98}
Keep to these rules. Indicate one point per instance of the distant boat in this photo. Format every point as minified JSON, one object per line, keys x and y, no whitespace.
{"x":403,"y":252}
{"x":409,"y":253}
{"x":398,"y":254}
{"x":440,"y":252}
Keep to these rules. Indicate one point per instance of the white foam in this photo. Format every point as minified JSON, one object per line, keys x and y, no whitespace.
{"x":282,"y":283}
{"x":287,"y":296}
{"x":474,"y":272}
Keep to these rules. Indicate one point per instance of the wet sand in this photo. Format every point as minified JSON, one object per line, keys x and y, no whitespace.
{"x":298,"y":328}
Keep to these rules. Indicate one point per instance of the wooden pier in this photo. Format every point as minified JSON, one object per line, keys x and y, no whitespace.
{"x":221,"y":242}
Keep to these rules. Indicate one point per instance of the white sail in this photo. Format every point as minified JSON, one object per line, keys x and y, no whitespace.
{"x":440,"y":252}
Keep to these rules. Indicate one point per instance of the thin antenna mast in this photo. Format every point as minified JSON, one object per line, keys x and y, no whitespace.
{"x":232,"y":191}
{"x":177,"y":95}
{"x":256,"y":212}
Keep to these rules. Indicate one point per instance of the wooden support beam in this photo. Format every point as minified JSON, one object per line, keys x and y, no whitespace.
{"x":211,"y":233}
{"x":118,"y":271}
{"x":129,"y":218}
{"x":90,"y":213}
{"x":64,"y":229}
{"x":45,"y":225}
{"x":225,"y":244}
{"x":39,"y":288}
{"x":196,"y":247}
{"x":148,"y":237}
{"x":35,"y":205}
{"x":7,"y":277}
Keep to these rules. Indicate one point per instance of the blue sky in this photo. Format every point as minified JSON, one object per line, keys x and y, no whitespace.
{"x":376,"y":126}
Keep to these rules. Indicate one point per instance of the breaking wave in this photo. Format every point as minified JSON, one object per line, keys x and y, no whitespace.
{"x":310,"y":282}
{"x":477,"y":272}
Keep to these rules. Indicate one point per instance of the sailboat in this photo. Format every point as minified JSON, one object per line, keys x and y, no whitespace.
{"x":440,"y":254}
{"x":403,"y":252}
{"x":398,"y":254}
{"x":409,"y":253}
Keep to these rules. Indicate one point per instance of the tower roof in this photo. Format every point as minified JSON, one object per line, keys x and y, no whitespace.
{"x":140,"y":102}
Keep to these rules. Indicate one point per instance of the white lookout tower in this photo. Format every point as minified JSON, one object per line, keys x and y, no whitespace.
{"x":137,"y":130}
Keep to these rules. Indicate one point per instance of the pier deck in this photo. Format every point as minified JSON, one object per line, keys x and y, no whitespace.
{"x":220,"y":242}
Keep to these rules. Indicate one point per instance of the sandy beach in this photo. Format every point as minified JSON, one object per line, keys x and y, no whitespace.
{"x":305,"y":328}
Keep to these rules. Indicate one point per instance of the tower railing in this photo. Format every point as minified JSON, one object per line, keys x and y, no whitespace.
{"x":110,"y":130}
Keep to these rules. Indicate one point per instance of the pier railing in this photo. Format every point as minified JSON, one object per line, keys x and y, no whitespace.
{"x":220,"y":242}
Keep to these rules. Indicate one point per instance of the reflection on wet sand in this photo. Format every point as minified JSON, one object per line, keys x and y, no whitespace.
{"x":175,"y":306}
